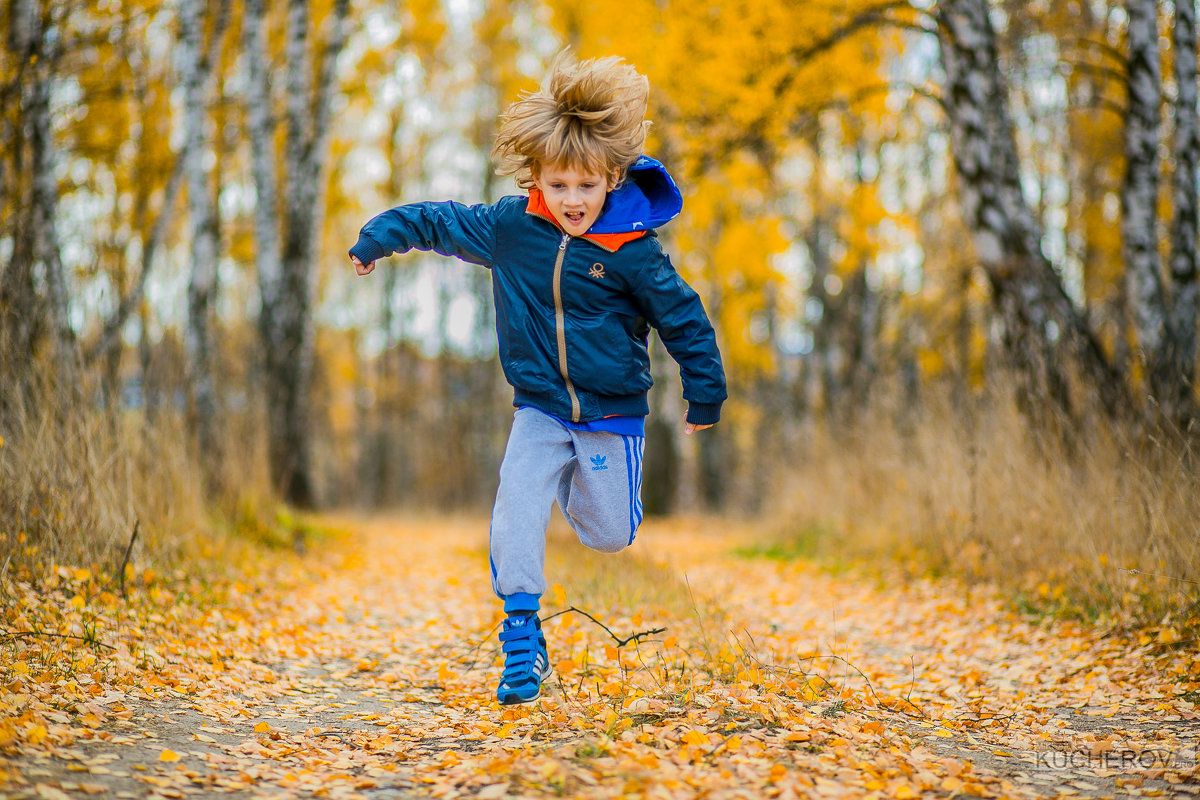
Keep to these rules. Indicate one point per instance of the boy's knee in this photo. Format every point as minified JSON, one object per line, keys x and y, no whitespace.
{"x":610,"y":545}
{"x":603,"y":539}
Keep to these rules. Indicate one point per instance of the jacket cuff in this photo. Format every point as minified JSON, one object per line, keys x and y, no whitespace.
{"x":368,"y":250}
{"x":704,"y":413}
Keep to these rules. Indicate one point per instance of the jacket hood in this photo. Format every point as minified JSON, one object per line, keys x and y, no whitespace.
{"x":647,"y":199}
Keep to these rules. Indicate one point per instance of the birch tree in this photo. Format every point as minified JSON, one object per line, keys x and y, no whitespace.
{"x":194,"y":72}
{"x":1139,"y":193}
{"x":286,"y":232}
{"x":35,"y":45}
{"x":1181,"y":356}
{"x":1041,"y":324}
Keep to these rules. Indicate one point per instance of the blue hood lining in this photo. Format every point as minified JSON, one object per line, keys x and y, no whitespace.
{"x":647,"y":199}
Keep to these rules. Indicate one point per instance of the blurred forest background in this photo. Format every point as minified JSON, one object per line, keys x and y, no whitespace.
{"x":950,"y":248}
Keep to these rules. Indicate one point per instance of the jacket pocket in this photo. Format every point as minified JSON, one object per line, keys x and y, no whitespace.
{"x":603,"y":358}
{"x":527,"y":354}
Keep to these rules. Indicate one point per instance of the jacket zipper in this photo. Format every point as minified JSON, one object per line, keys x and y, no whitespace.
{"x":560,"y":324}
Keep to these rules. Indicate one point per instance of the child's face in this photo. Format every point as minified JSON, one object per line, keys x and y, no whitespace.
{"x":574,"y":195}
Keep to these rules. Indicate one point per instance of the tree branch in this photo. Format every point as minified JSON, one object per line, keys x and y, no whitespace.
{"x":620,"y":642}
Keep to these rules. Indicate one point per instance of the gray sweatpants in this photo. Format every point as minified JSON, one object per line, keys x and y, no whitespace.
{"x":596,"y":479}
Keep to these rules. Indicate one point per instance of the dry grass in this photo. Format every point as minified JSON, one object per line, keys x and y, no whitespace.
{"x":76,"y":479}
{"x":1105,"y":525}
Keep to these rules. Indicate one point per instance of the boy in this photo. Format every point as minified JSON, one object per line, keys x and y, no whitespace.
{"x":578,"y":280}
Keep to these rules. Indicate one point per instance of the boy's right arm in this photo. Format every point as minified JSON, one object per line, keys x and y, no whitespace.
{"x":451,"y":229}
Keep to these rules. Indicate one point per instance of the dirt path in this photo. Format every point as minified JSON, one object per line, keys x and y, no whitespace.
{"x":772,"y":678}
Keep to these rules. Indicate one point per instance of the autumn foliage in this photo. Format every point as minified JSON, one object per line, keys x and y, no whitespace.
{"x":949,"y":248}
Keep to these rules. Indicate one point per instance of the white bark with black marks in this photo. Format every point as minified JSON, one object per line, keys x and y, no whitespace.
{"x":1042,"y":325}
{"x":1186,"y":299}
{"x":194,"y":72}
{"x":1139,"y":193}
{"x":287,"y":247}
{"x":35,"y":296}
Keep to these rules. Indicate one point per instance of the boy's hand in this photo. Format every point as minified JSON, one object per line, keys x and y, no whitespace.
{"x":361,"y":268}
{"x":691,"y":428}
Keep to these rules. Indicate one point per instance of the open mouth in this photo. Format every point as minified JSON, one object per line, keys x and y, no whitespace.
{"x":575,"y":217}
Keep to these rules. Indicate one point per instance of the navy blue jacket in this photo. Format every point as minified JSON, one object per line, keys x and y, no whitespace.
{"x":573,"y":313}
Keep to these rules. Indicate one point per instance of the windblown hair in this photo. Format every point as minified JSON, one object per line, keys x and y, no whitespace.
{"x":587,"y":115}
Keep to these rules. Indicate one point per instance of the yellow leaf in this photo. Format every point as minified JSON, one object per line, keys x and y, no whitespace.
{"x":36,"y":734}
{"x":694,"y":737}
{"x":262,"y":727}
{"x":20,"y":668}
{"x":905,"y":793}
{"x":566,"y":666}
{"x":1168,"y":636}
{"x":611,"y":652}
{"x":444,"y":674}
{"x":952,"y":785}
{"x":77,"y":601}
{"x":82,"y":575}
{"x":169,"y":755}
{"x":559,"y":593}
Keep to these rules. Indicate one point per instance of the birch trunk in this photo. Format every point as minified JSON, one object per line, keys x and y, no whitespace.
{"x":21,"y":308}
{"x":28,"y":314}
{"x":286,"y":264}
{"x":194,"y":70}
{"x":1044,"y":331}
{"x":1139,"y":193}
{"x":1181,"y":355}
{"x":45,"y":214}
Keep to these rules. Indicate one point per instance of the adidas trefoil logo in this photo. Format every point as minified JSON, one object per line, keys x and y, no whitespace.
{"x":597,"y":271}
{"x":598,"y":462}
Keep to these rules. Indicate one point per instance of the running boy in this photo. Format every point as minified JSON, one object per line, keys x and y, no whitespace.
{"x":578,"y":280}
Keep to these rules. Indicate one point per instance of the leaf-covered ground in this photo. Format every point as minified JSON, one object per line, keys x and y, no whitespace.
{"x":370,"y":673}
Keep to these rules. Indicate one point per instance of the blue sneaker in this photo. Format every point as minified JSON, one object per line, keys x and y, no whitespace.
{"x":526,"y":663}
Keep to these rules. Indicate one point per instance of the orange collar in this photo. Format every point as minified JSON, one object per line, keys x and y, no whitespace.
{"x":609,"y":241}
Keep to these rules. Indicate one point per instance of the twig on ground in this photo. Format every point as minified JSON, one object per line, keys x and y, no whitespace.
{"x":473,"y":653}
{"x":986,"y":719}
{"x":1157,"y":575}
{"x":137,"y":523}
{"x":636,"y":637}
{"x":631,"y":639}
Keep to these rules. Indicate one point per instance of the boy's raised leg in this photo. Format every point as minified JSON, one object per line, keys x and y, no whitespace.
{"x":600,"y":492}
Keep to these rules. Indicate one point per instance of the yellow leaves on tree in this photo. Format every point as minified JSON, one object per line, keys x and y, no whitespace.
{"x":731,"y":85}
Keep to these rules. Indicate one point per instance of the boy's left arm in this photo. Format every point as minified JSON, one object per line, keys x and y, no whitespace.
{"x":675,"y":310}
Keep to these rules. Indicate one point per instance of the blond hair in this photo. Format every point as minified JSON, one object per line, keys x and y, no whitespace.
{"x":587,"y":114}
